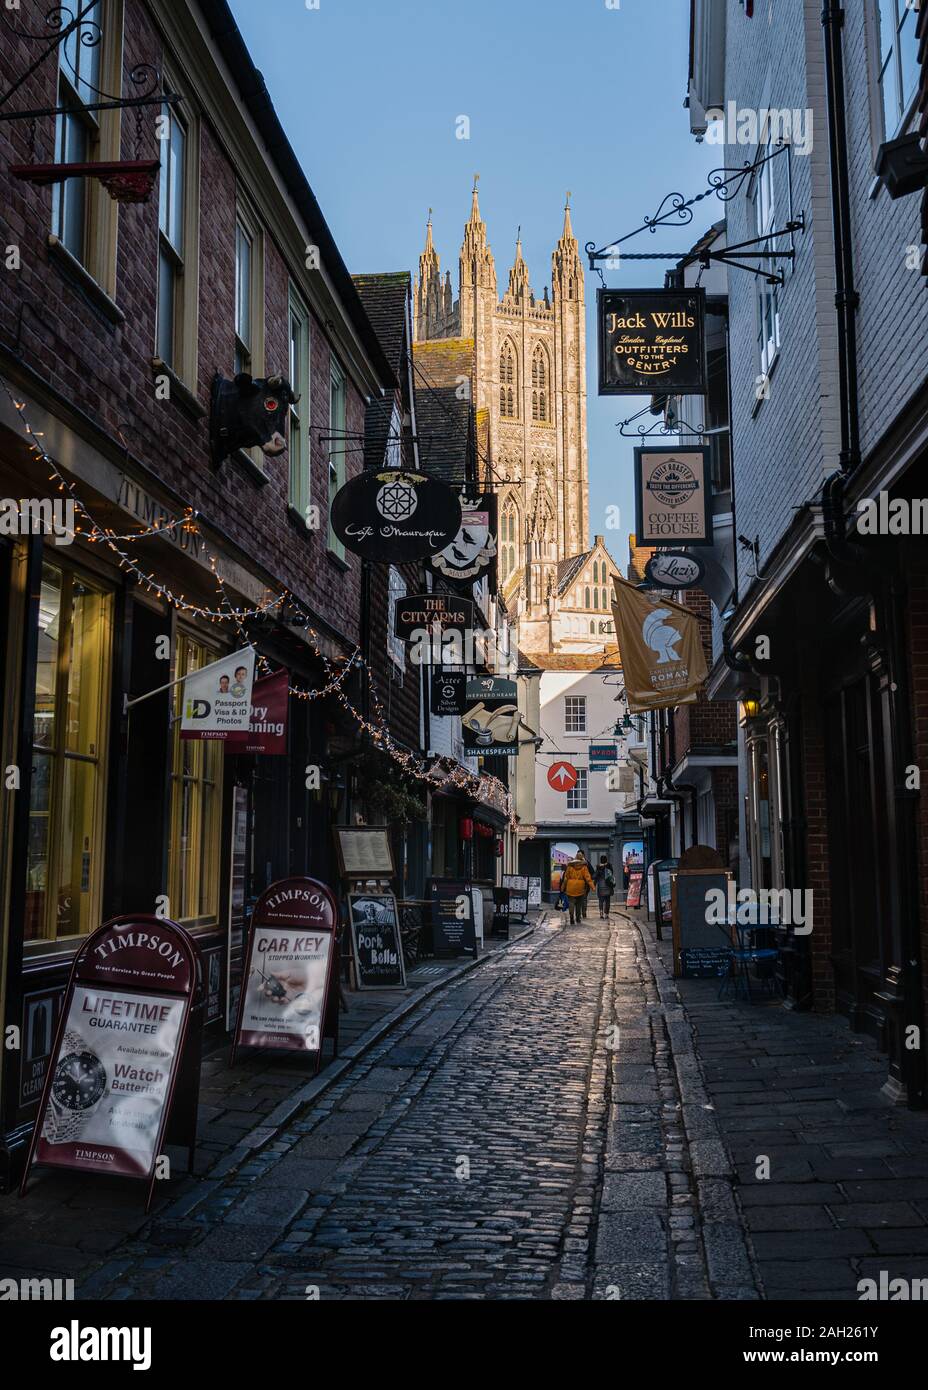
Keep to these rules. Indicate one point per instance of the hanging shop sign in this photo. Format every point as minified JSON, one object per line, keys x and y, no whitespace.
{"x":217,"y":698}
{"x":40,"y":1015}
{"x":453,"y":931}
{"x":392,"y":516}
{"x":662,"y":655}
{"x":267,"y":725}
{"x":700,"y":948}
{"x":562,"y":776}
{"x":124,"y":1054}
{"x":602,"y":756}
{"x":290,"y":952}
{"x":534,"y":891}
{"x":421,"y":613}
{"x":652,"y":341}
{"x":472,"y":553}
{"x":490,"y":723}
{"x":662,"y":872}
{"x":449,"y":692}
{"x":376,"y":941}
{"x":673,"y":497}
{"x":674,"y":569}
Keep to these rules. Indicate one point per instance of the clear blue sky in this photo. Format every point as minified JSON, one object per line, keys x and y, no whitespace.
{"x":560,"y":94}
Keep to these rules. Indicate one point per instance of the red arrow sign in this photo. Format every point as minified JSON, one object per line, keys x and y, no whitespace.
{"x":562,"y":777}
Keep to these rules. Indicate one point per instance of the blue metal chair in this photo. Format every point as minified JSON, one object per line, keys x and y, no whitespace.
{"x":737,"y":983}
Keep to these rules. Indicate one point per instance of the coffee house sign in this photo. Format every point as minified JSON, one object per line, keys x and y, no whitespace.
{"x":673,"y":503}
{"x":651,"y":340}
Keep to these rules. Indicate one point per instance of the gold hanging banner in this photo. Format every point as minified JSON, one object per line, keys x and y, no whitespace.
{"x":661,"y":649}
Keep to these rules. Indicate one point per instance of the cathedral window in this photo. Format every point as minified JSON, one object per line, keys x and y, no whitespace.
{"x":605,"y":600}
{"x":540,"y":384}
{"x":508,"y":378}
{"x":510,"y":535}
{"x":586,"y":595}
{"x":595,"y":571}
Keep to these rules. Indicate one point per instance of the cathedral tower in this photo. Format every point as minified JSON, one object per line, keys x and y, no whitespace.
{"x":530,"y":388}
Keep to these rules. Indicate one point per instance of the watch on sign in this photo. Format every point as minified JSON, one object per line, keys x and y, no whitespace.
{"x":78,"y":1086}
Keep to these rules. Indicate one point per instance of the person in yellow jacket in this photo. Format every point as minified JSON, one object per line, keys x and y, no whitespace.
{"x":577,"y":883}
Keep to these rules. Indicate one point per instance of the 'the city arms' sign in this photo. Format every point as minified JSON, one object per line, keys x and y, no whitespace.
{"x":651,"y":340}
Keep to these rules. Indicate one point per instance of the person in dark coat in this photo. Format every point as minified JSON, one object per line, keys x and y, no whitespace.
{"x":605,"y":885}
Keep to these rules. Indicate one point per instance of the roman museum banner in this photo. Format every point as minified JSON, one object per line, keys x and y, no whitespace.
{"x":673,"y":504}
{"x":652,"y":341}
{"x":662,"y":655}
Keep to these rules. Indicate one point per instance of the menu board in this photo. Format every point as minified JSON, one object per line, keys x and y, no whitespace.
{"x":700,"y":947}
{"x":518,"y":893}
{"x":377,"y":943}
{"x":364,"y":851}
{"x":453,"y":931}
{"x":633,"y":896}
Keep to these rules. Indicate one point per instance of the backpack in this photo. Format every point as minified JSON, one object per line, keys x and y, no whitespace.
{"x":610,"y":879}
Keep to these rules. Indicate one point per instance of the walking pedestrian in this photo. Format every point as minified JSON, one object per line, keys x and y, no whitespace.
{"x":586,"y":895}
{"x":605,"y":885}
{"x":576,"y":883}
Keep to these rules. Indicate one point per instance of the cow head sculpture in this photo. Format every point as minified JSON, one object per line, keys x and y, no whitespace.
{"x":249,"y":411}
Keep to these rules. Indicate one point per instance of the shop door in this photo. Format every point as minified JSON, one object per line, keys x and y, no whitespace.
{"x":858,"y":859}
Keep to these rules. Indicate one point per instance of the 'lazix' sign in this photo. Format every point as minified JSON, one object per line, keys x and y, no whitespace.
{"x":651,"y":340}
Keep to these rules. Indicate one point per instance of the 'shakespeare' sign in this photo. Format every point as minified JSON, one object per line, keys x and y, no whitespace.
{"x":217,"y":698}
{"x":673,"y":504}
{"x":423,"y":612}
{"x":652,"y":340}
{"x":392,"y":516}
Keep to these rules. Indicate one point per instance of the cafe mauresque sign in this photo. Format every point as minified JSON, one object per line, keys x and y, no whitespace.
{"x":392,"y":516}
{"x":652,"y":340}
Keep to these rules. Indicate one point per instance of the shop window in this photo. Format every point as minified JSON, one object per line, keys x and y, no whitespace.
{"x":577,"y":797}
{"x":67,"y":791}
{"x":196,"y":793}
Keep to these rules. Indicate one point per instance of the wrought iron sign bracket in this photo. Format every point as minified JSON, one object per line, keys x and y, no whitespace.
{"x":661,"y":427}
{"x":60,"y":24}
{"x":677,"y":211}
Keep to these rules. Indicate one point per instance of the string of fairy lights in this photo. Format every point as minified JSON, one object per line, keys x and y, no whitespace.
{"x":435,"y":773}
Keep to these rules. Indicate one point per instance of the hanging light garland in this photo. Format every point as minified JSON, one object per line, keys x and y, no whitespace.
{"x":433,"y":774}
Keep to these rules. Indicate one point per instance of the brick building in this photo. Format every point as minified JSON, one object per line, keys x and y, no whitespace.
{"x":114,"y":319}
{"x":823,"y":638}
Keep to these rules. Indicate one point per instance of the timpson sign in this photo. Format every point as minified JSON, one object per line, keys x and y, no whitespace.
{"x":673,"y":503}
{"x":652,"y":340}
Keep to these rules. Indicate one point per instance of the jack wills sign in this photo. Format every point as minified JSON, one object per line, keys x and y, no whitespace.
{"x":421,"y":613}
{"x":392,"y":516}
{"x":651,"y":340}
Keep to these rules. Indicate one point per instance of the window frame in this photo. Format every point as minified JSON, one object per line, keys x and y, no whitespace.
{"x":905,"y":108}
{"x":578,"y":796}
{"x":763,"y":191}
{"x":203,"y":754}
{"x":575,"y":720}
{"x":300,"y":491}
{"x":184,"y":263}
{"x":59,"y":755}
{"x":251,"y":353}
{"x":336,"y":451}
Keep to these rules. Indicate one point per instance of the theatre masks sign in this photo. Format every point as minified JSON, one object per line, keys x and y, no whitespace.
{"x":652,"y":340}
{"x":391,"y":516}
{"x":472,"y":553}
{"x":672,"y":497}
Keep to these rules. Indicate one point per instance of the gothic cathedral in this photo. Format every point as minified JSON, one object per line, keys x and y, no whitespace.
{"x":529,"y":391}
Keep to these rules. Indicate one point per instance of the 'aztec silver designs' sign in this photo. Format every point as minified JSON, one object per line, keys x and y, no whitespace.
{"x":393,"y":516}
{"x":672,"y":497}
{"x":652,"y":340}
{"x":672,"y":569}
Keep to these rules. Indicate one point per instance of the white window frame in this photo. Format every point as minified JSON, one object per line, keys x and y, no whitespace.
{"x":249,"y":353}
{"x":578,"y":797}
{"x":396,"y":649}
{"x":906,"y":19}
{"x":575,"y":719}
{"x":183,"y":364}
{"x":764,"y":211}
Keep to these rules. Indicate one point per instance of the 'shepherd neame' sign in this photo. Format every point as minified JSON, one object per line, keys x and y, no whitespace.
{"x":391,"y":515}
{"x":652,"y":340}
{"x":673,"y":496}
